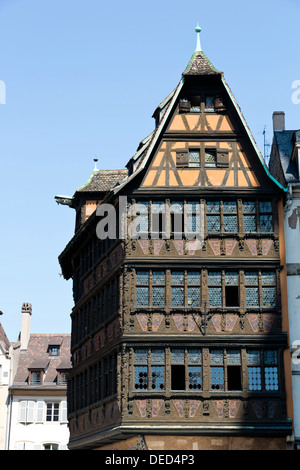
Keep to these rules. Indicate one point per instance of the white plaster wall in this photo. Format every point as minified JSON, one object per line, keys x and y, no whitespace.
{"x":4,"y":382}
{"x":36,"y":434}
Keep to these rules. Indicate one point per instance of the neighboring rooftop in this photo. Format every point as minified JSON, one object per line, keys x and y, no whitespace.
{"x":48,"y":353}
{"x":103,"y":180}
{"x":4,"y":341}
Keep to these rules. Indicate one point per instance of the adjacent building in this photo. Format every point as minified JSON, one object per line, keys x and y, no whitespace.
{"x":180,"y":325}
{"x":285,"y":167}
{"x":37,"y":396}
{"x":5,"y":372}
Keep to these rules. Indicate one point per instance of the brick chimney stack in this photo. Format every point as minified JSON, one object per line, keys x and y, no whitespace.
{"x":25,"y":325}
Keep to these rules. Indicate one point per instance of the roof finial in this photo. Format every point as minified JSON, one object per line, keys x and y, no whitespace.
{"x":198,"y":30}
{"x":95,"y":160}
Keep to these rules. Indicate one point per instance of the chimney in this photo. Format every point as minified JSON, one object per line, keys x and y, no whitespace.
{"x":278,"y":121}
{"x":25,"y":325}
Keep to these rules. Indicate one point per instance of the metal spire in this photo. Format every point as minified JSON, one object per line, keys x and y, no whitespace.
{"x":95,"y":160}
{"x":198,"y":46}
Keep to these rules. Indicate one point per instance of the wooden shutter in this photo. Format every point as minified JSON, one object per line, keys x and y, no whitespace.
{"x":22,"y":411}
{"x":40,"y":412}
{"x":63,"y":411}
{"x":30,"y":411}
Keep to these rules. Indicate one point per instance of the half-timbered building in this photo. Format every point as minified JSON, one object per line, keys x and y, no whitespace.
{"x":179,"y":328}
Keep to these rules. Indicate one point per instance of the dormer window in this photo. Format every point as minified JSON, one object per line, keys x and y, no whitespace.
{"x":35,"y":378}
{"x":209,"y":104}
{"x":53,"y":350}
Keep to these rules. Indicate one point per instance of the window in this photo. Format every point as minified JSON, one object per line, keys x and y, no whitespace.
{"x":185,"y":290}
{"x":217,"y":369}
{"x":52,"y":412}
{"x":263,"y":281}
{"x":209,"y":104}
{"x":230,"y":216}
{"x":150,"y":288}
{"x":186,"y":372}
{"x":149,"y":369}
{"x":215,"y":288}
{"x":213,"y":216}
{"x":142,"y":217}
{"x":194,"y":157}
{"x":142,"y":288}
{"x":36,"y":377}
{"x":210,"y":158}
{"x":258,"y":217}
{"x":50,"y":446}
{"x":53,"y":350}
{"x":262,"y":370}
{"x":221,"y":217}
{"x":231,"y":289}
{"x":229,"y":363}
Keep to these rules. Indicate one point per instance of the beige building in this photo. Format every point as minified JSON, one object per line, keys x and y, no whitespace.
{"x":5,"y":371}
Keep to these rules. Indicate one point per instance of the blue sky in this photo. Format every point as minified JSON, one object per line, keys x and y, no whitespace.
{"x":82,"y":81}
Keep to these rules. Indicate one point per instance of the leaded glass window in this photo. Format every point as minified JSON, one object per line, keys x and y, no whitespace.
{"x":158,"y":378}
{"x":210,"y":158}
{"x":265,"y":216}
{"x":263,"y":370}
{"x":142,"y":296}
{"x":233,"y":356}
{"x":213,"y":217}
{"x":215,"y":293}
{"x":177,"y":356}
{"x":249,"y":210}
{"x":158,"y":292}
{"x":158,"y":356}
{"x":209,"y":104}
{"x":194,"y":157}
{"x":195,"y":376}
{"x":141,"y":356}
{"x":230,"y":221}
{"x":254,"y":378}
{"x":141,"y":377}
{"x":193,"y":290}
{"x":142,"y":217}
{"x":217,"y":378}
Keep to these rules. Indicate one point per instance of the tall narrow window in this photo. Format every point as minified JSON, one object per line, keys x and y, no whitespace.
{"x":215,"y":288}
{"x":230,"y":216}
{"x":158,"y":288}
{"x":213,"y":217}
{"x":177,"y":370}
{"x":157,"y":369}
{"x":194,"y":158}
{"x":265,"y":216}
{"x":249,"y":212}
{"x":177,"y":288}
{"x":141,"y":369}
{"x":217,"y":369}
{"x":194,"y":369}
{"x":193,"y":288}
{"x":231,"y":289}
{"x":251,"y":288}
{"x":142,"y":288}
{"x":234,"y":375}
{"x":209,"y":104}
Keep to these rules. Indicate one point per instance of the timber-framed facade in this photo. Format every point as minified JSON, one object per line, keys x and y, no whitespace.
{"x":173,"y":342}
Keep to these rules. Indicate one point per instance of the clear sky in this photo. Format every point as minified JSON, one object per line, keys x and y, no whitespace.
{"x":82,"y":81}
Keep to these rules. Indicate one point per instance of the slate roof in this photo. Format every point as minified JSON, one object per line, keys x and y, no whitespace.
{"x":200,"y":65}
{"x":103,"y":180}
{"x":285,"y":144}
{"x":37,"y":357}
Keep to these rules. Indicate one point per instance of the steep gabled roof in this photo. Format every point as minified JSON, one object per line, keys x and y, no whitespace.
{"x":199,"y":65}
